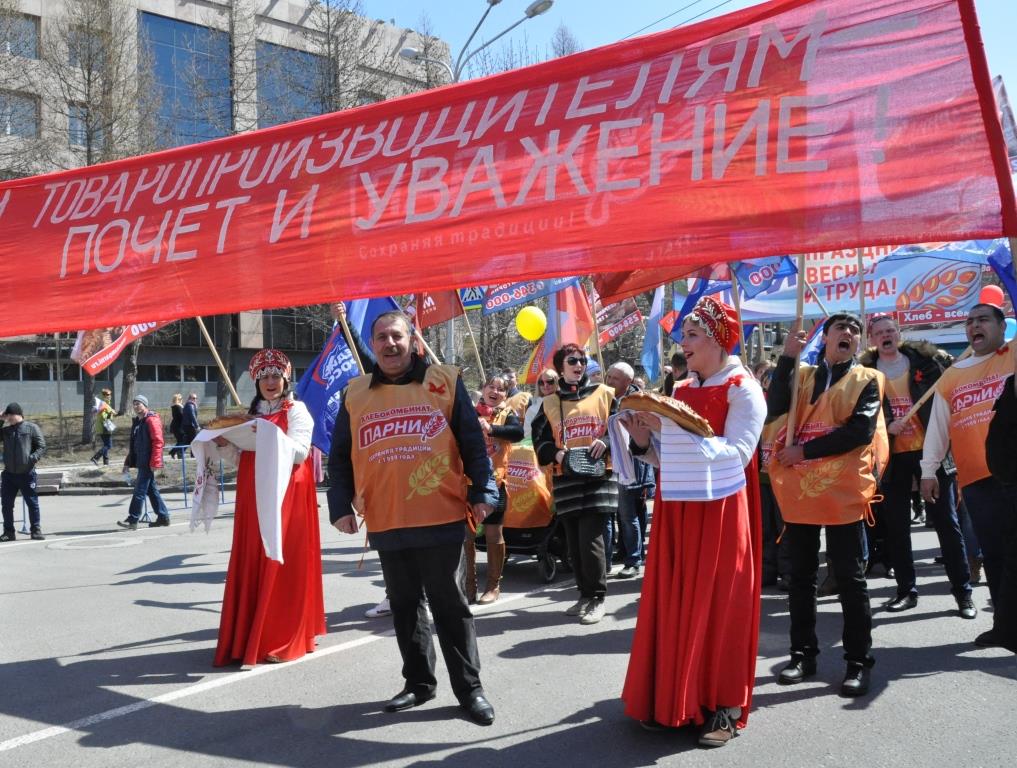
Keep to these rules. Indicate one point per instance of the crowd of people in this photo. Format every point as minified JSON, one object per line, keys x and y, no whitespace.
{"x":799,"y":455}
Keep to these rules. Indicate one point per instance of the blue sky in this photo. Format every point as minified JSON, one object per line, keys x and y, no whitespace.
{"x":599,"y":22}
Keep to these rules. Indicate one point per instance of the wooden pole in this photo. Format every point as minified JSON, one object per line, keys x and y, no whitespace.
{"x":424,"y":344}
{"x":932,"y":390}
{"x":819,"y":301}
{"x":800,"y":315}
{"x":861,"y":295}
{"x":218,"y":361}
{"x":596,"y":328}
{"x":350,"y":344}
{"x":736,"y":298}
{"x":476,"y":349}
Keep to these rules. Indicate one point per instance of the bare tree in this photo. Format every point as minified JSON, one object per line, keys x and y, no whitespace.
{"x":563,"y":42}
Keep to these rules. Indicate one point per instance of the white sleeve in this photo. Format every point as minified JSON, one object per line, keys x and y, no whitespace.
{"x":299,"y":430}
{"x":937,"y":437}
{"x":745,"y":416}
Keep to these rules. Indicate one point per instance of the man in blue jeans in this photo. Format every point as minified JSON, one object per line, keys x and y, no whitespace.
{"x":23,"y":446}
{"x":145,"y":454}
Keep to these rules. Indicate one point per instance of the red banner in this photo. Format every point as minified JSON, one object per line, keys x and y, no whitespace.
{"x":434,"y":308}
{"x":93,"y":359}
{"x":791,"y":126}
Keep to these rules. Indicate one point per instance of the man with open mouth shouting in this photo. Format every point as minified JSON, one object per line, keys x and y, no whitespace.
{"x":911,"y":369}
{"x":827,"y":476}
{"x":961,"y":413}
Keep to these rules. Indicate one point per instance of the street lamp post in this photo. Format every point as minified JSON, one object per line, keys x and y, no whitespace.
{"x":535,"y":8}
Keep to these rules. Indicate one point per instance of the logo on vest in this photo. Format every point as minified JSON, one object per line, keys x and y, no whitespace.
{"x":583,"y":426}
{"x":399,"y":423}
{"x":976,"y":393}
{"x":436,"y":389}
{"x":523,"y":470}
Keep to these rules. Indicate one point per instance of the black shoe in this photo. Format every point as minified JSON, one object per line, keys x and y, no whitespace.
{"x":159,"y":522}
{"x":8,"y":536}
{"x":966,"y":607}
{"x":990,"y":639}
{"x":37,"y":535}
{"x":856,"y":680}
{"x":131,"y":525}
{"x":905,"y":603}
{"x":95,"y":461}
{"x":406,"y":700}
{"x":784,"y":583}
{"x":796,"y":670}
{"x":479,"y":709}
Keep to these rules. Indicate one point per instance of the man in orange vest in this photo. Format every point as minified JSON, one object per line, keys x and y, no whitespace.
{"x":827,"y":478}
{"x":911,"y":369}
{"x":405,"y":440}
{"x":961,"y":413}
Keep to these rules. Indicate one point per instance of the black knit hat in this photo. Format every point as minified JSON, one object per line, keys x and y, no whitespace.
{"x":13,"y":409}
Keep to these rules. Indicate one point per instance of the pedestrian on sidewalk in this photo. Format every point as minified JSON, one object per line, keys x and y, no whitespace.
{"x":104,"y":427}
{"x":23,"y":446}
{"x":145,"y":454}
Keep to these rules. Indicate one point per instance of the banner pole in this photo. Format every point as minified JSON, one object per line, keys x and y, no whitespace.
{"x":218,"y":361}
{"x":590,"y":293}
{"x":861,"y":296}
{"x":800,"y":315}
{"x":350,"y":344}
{"x":736,"y":298}
{"x":424,"y":344}
{"x":476,"y":349}
{"x":932,"y":390}
{"x":815,"y":295}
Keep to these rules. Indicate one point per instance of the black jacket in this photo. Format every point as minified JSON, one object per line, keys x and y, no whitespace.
{"x":472,"y":449}
{"x":1001,"y":444}
{"x":858,"y":430}
{"x":24,"y":445}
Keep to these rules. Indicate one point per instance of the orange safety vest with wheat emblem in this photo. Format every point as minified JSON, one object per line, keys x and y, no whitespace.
{"x":833,"y":490}
{"x":407,"y":470}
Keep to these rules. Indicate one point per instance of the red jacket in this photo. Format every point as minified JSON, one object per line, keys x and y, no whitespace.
{"x":146,"y":441}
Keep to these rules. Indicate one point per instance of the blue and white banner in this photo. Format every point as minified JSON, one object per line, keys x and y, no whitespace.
{"x":509,"y":295}
{"x":757,"y":275}
{"x":321,"y":386}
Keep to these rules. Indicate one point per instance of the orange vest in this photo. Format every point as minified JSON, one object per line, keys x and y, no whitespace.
{"x":898,"y":391}
{"x":585,"y":419}
{"x":834,"y":490}
{"x":498,"y":450}
{"x":529,"y":490}
{"x":970,"y":394}
{"x":406,"y":464}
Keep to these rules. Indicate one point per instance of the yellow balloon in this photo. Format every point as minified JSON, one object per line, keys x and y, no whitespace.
{"x":531,"y":323}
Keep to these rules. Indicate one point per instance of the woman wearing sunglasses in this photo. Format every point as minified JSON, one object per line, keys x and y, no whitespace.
{"x":575,"y":418}
{"x":547,"y":384}
{"x":694,"y":650}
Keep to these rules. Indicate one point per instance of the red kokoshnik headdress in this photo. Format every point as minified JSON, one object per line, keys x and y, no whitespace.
{"x":269,"y":361}
{"x":718,"y":320}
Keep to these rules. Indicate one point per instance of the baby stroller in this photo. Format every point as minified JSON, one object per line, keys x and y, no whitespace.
{"x":530,"y":525}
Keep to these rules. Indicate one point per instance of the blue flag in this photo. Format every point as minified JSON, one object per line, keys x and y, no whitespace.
{"x":509,"y":295}
{"x":321,"y":386}
{"x":757,"y":275}
{"x":650,"y":358}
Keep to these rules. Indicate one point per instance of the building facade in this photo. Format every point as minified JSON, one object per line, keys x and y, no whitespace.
{"x":201,"y":69}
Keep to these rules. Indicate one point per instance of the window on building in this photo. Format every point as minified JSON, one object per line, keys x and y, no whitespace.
{"x":83,"y":127}
{"x":192,"y":72}
{"x":168,"y":372}
{"x":19,"y":115}
{"x":288,"y":84}
{"x":35,"y":372}
{"x":146,"y":373}
{"x":72,"y":372}
{"x":19,"y":35}
{"x":86,"y":49}
{"x":195,"y":373}
{"x":286,"y":329}
{"x":10,"y":372}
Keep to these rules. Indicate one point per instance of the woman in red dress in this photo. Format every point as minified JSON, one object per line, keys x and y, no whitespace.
{"x":694,"y":650}
{"x":272,"y":611}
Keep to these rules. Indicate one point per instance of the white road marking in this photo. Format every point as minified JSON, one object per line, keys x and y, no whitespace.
{"x":218,"y":682}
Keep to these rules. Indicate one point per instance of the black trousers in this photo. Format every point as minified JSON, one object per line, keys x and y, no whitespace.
{"x":895,"y":515}
{"x":435,"y":571}
{"x":776,"y":560}
{"x":845,"y":548}
{"x":585,"y":536}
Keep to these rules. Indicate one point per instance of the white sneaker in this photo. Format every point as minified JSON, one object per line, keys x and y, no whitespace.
{"x":381,"y":609}
{"x":594,"y":612}
{"x":579,"y":608}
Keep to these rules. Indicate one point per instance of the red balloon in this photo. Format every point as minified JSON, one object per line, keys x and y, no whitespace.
{"x":991,"y":294}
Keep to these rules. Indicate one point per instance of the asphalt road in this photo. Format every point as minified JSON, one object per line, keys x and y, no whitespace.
{"x":106,"y":639}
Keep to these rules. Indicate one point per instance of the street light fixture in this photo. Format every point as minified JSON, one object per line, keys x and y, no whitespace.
{"x":536,"y":8}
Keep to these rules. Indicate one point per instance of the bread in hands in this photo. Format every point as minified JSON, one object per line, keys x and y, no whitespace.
{"x":675,"y":410}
